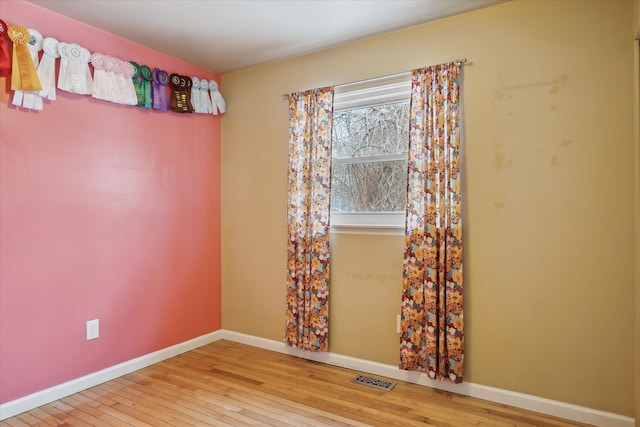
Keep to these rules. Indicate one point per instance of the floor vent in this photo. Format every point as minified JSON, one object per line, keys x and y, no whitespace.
{"x":374,"y":382}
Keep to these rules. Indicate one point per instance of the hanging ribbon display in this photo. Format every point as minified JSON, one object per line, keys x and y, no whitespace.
{"x":146,"y":75}
{"x":160,"y":80}
{"x":205,"y":101}
{"x":5,"y":57}
{"x":195,"y":94}
{"x":74,"y":75}
{"x":33,"y":78}
{"x":216,"y":98}
{"x":23,"y":71}
{"x":31,"y":99}
{"x":47,"y":68}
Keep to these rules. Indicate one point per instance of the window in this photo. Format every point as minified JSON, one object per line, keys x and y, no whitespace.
{"x":369,"y":149}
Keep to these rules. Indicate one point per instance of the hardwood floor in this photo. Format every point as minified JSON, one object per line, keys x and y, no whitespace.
{"x":230,"y":384}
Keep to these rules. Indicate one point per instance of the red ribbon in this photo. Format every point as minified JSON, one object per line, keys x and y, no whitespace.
{"x":5,"y":56}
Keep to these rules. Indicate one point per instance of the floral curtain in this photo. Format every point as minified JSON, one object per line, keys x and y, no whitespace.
{"x":432,"y":338}
{"x":310,"y":122}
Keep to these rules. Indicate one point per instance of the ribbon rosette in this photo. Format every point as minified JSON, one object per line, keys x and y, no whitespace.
{"x":23,"y":70}
{"x":187,"y":84}
{"x":180,"y":97}
{"x":145,"y":74}
{"x":176,"y":100}
{"x":205,"y":101}
{"x":160,"y":80}
{"x":136,"y":83}
{"x":5,"y":58}
{"x":216,"y":98}
{"x":30,"y":99}
{"x":74,"y":76}
{"x":104,"y":79}
{"x":47,"y":68}
{"x":124,"y":72}
{"x":112,"y":80}
{"x":195,"y":95}
{"x":101,"y":82}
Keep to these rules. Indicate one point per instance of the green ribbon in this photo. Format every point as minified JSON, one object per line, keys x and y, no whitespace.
{"x":136,"y":83}
{"x":146,"y":74}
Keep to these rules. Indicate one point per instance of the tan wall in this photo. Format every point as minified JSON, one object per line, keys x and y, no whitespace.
{"x":637,"y":191}
{"x":636,"y":27}
{"x":549,"y":187}
{"x":636,"y":17}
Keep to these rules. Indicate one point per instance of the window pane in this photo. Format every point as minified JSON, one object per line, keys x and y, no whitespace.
{"x":369,"y":187}
{"x":371,"y":131}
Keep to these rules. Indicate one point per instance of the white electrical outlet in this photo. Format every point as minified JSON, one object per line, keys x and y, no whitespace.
{"x":398,"y":330}
{"x":93,"y":329}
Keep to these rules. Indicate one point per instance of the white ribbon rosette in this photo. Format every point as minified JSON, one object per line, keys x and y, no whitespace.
{"x":103,"y":85}
{"x":112,"y":80}
{"x":123,"y":72}
{"x":47,"y":68}
{"x":216,"y":98}
{"x":74,"y":76}
{"x":195,"y":95}
{"x":205,"y":101}
{"x":30,"y":99}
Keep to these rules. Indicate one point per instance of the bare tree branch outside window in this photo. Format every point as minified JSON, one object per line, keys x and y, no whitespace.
{"x":370,"y":159}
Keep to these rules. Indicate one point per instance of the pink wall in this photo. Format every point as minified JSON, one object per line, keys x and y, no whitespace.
{"x":106,"y":211}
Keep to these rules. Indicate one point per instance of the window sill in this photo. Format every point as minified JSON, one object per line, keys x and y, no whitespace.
{"x":379,"y":230}
{"x":383,"y":223}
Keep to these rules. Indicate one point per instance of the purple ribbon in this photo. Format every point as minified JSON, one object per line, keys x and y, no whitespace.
{"x":160,"y":79}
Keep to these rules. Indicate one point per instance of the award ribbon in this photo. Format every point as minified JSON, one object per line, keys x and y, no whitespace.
{"x":205,"y":101}
{"x":124,"y":72}
{"x":47,"y":68}
{"x":31,"y":99}
{"x":180,"y":97}
{"x":136,"y":83}
{"x":23,"y":71}
{"x":145,"y":73}
{"x":113,"y":80}
{"x":5,"y":58}
{"x":187,"y":84}
{"x":74,"y":75}
{"x":159,"y":87}
{"x":216,"y":98}
{"x":195,"y":95}
{"x":102,"y":88}
{"x":174,"y":84}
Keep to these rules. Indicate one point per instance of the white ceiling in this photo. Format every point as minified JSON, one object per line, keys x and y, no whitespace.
{"x":226,"y":35}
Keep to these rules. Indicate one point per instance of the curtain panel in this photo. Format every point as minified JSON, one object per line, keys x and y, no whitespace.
{"x":309,"y":197}
{"x":432,"y":338}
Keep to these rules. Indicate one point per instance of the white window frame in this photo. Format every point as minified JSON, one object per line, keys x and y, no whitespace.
{"x":382,"y":90}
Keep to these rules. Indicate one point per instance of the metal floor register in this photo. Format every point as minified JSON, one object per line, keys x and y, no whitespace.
{"x":374,"y":382}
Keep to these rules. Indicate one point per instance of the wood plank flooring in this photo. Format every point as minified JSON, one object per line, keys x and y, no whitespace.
{"x":230,"y":384}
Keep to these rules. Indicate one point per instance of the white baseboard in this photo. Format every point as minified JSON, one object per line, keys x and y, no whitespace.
{"x":31,"y":401}
{"x":519,"y":400}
